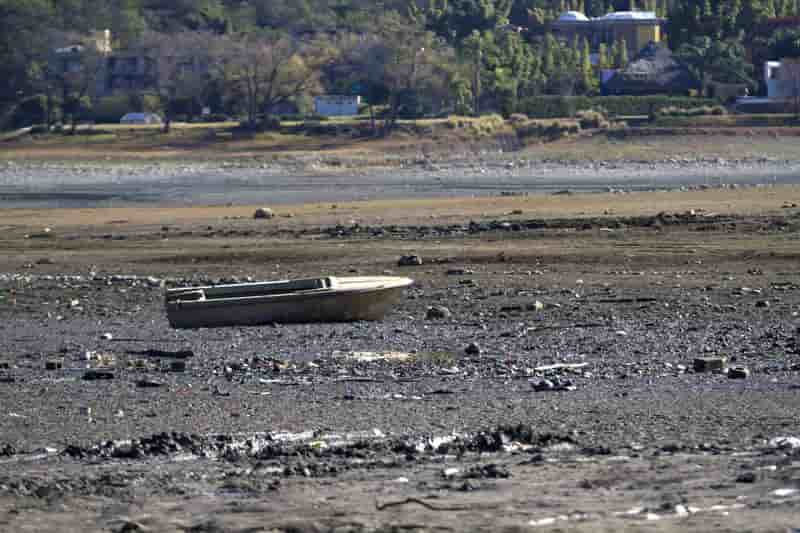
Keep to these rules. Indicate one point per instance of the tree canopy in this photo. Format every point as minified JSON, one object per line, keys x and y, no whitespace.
{"x":479,"y":54}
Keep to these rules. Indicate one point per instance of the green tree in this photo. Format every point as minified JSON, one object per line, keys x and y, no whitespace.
{"x":589,"y":82}
{"x":712,"y":60}
{"x":785,"y":43}
{"x":602,"y":56}
{"x":622,"y":54}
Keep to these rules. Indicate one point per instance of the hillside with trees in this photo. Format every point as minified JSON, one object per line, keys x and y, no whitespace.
{"x":405,"y":57}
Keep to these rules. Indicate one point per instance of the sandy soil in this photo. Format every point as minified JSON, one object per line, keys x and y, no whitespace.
{"x":284,"y":428}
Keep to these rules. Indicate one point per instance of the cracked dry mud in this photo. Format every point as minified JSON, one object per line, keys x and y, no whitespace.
{"x":395,"y":425}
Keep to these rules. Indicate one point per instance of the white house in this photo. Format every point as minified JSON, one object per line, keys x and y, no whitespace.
{"x":334,"y":105}
{"x":782,"y":79}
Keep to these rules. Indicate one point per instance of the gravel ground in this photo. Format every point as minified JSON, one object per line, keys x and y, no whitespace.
{"x":298,"y":180}
{"x":557,"y":390}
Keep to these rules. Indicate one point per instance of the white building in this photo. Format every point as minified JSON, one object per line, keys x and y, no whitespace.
{"x":334,"y":105}
{"x":782,"y":79}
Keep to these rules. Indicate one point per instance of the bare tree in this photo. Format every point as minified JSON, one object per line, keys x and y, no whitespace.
{"x":269,"y":70}
{"x":74,"y":65}
{"x":400,"y":64}
{"x":186,"y":63}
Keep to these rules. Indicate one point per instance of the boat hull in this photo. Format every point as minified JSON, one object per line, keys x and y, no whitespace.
{"x":340,"y":305}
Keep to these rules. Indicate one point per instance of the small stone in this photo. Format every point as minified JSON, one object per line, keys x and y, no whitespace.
{"x":472,"y":349}
{"x":762,"y":303}
{"x":449,"y":473}
{"x":98,"y":375}
{"x":437,"y":311}
{"x":263,"y":213}
{"x":409,"y":260}
{"x":107,"y":336}
{"x":535,"y":306}
{"x":746,"y":477}
{"x":149,"y":384}
{"x":709,"y":364}
{"x":738,"y":372}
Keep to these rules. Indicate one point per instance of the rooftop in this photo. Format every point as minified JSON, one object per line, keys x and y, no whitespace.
{"x":573,"y":16}
{"x":617,"y":16}
{"x":629,"y":15}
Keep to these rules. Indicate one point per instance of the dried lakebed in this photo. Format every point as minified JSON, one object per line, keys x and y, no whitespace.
{"x":440,"y":416}
{"x":313,"y":179}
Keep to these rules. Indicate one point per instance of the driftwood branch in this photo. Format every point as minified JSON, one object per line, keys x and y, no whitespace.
{"x":423,"y":503}
{"x":567,"y":326}
{"x":559,"y":366}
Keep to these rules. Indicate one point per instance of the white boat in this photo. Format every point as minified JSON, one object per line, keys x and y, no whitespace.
{"x":329,"y":299}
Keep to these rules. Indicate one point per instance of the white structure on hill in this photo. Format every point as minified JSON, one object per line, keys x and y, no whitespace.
{"x":782,"y":79}
{"x":334,"y":105}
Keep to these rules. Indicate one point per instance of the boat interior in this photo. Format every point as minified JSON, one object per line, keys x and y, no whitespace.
{"x":243,"y":290}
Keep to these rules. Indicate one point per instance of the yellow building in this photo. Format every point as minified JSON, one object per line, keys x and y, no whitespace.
{"x":637,"y":28}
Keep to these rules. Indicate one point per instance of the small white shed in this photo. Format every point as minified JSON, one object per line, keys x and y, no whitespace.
{"x":334,"y":105}
{"x":140,"y":118}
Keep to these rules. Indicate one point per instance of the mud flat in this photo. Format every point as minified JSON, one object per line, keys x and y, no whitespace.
{"x":88,"y":185}
{"x":49,"y":174}
{"x":590,"y":362}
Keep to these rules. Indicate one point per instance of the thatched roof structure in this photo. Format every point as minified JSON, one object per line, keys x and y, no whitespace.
{"x":653,"y":71}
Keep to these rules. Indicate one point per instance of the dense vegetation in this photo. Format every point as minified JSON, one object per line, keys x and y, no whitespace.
{"x":406,"y":56}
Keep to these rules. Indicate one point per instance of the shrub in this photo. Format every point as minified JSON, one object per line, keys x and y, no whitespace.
{"x":31,"y":110}
{"x":110,"y":109}
{"x":700,"y":111}
{"x":552,"y":132}
{"x":268,"y":124}
{"x":592,"y":119}
{"x":569,"y":106}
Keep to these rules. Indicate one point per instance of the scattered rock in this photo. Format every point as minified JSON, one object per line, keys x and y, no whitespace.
{"x":746,"y":477}
{"x":554,"y":384}
{"x":98,"y":375}
{"x":409,"y":260}
{"x":437,"y":312}
{"x":709,"y":364}
{"x":131,"y":526}
{"x":53,"y":365}
{"x":535,"y":306}
{"x":472,"y":349}
{"x":449,"y":473}
{"x":490,"y":471}
{"x":178,"y":354}
{"x":263,"y":213}
{"x":785,"y":443}
{"x":7,"y":450}
{"x":149,"y":384}
{"x":738,"y":372}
